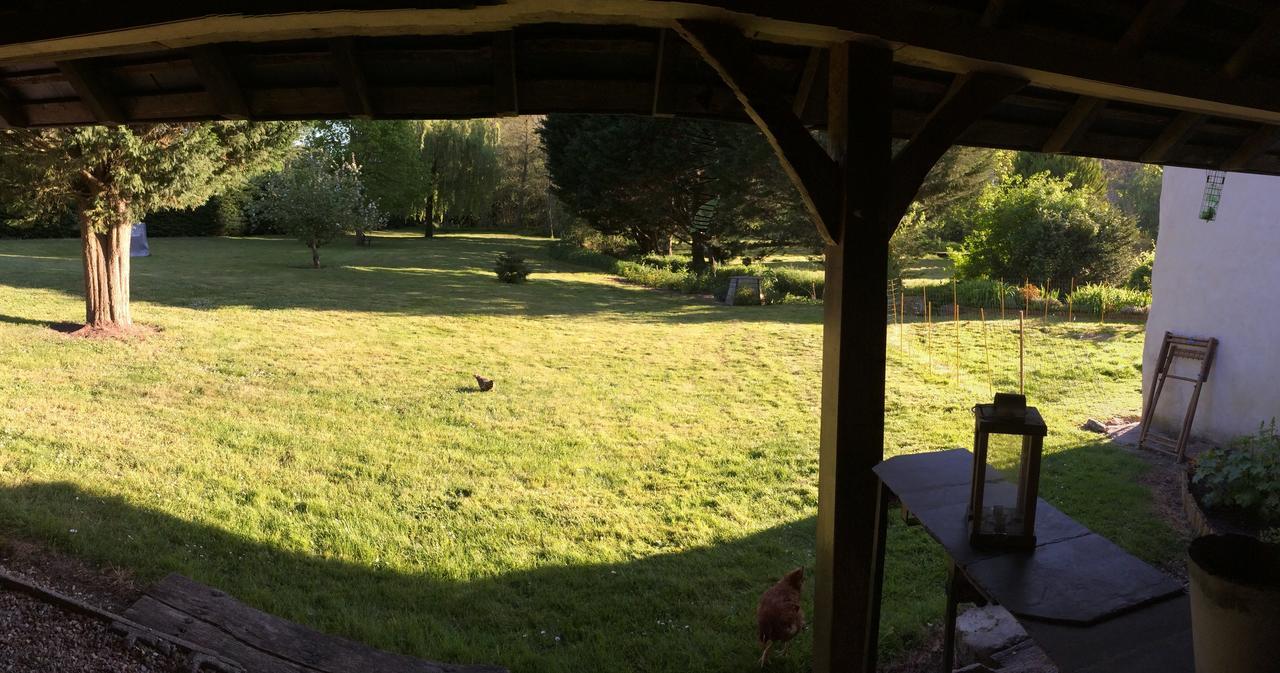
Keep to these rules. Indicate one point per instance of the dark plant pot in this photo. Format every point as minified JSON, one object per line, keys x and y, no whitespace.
{"x":1235,"y":604}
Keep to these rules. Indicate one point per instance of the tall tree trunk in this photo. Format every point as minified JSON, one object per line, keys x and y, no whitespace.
{"x":430,"y":230}
{"x":315,"y":254}
{"x":106,"y":275}
{"x":701,"y":252}
{"x":429,"y":227}
{"x":524,"y":179}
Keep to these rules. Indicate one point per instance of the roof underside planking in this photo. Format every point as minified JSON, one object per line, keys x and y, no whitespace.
{"x":1182,"y":82}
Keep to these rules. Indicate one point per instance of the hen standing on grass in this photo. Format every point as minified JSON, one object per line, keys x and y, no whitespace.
{"x":779,"y":616}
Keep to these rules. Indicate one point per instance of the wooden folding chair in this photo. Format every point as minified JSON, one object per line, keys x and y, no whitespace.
{"x":1173,"y":348}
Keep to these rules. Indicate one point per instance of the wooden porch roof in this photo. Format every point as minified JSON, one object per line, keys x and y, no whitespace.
{"x":1181,"y":82}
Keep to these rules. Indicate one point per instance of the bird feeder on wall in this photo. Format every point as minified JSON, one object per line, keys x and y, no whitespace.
{"x":999,"y":516}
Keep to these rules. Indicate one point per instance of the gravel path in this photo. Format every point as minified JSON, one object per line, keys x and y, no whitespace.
{"x":36,"y":637}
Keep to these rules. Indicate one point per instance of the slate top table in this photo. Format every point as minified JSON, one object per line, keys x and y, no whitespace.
{"x":1089,"y":604}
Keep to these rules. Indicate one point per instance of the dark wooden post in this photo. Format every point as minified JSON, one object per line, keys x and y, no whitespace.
{"x":851,"y":521}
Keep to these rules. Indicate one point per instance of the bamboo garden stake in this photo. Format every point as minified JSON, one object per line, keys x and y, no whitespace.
{"x":902,"y":325}
{"x":1071,"y":301}
{"x":986,"y":348}
{"x":928,"y":334}
{"x":955,"y":318}
{"x":1021,"y":354}
{"x":1046,"y":301}
{"x":1001,"y":289}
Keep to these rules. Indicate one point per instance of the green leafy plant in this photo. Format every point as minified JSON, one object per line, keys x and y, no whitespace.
{"x":511,"y":268}
{"x":1140,"y":279}
{"x":1245,"y":475}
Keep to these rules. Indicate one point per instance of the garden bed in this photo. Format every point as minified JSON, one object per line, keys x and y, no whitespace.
{"x":1216,"y":521}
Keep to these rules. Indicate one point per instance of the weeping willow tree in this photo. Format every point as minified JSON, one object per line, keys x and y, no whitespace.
{"x":113,"y":176}
{"x":463,"y":169}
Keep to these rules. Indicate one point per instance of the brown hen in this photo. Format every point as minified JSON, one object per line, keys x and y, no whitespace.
{"x":779,"y":616}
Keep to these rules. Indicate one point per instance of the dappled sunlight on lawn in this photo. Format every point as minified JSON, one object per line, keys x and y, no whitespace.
{"x":311,"y":441}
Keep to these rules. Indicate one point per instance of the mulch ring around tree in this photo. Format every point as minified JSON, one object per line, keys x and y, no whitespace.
{"x":131,"y":332}
{"x":39,"y":637}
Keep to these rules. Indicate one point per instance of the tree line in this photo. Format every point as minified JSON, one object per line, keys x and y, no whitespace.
{"x":700,"y":193}
{"x":641,"y":186}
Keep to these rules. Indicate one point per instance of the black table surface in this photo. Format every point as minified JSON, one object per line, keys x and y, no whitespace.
{"x":1088,"y":603}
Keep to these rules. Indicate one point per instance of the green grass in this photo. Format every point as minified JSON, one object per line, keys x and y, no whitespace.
{"x":646,"y":464}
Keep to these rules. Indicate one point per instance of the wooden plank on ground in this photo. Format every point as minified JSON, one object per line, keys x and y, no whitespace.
{"x":176,"y":623}
{"x":293,"y":643}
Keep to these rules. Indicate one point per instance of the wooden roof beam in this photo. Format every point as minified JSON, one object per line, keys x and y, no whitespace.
{"x":805,"y":89}
{"x":1260,"y":44}
{"x":1153,"y":16}
{"x":1073,"y":125}
{"x":1173,"y":134}
{"x":505,"y":96}
{"x":923,"y":34}
{"x":970,"y":97}
{"x":219,"y":80}
{"x":805,"y":161}
{"x":1258,"y":142}
{"x":12,"y":113}
{"x":355,"y":88}
{"x":995,"y":12}
{"x":88,"y":82}
{"x":664,"y":74}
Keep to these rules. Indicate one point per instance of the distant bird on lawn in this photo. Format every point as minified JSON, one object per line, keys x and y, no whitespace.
{"x":779,"y":617}
{"x":485,"y":384}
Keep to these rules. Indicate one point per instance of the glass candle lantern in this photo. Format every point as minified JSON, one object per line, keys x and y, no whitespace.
{"x":1000,"y":516}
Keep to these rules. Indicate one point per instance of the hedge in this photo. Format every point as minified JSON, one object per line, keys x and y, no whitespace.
{"x":985,"y":293}
{"x":660,"y":271}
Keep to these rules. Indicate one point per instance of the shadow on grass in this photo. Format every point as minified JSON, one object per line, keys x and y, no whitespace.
{"x":449,"y":275}
{"x":63,"y":327}
{"x":685,"y":611}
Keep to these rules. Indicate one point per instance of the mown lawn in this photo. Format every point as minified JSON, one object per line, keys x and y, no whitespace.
{"x":309,"y":441}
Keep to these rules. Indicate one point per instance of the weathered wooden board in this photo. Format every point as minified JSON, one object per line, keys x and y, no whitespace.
{"x":264,"y":642}
{"x":174,"y":622}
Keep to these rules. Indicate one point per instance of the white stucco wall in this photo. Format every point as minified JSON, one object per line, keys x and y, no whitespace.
{"x":1219,"y":279}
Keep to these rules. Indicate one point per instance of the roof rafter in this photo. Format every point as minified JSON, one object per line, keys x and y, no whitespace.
{"x":805,"y":88}
{"x":219,"y":80}
{"x":355,"y":88}
{"x":664,"y":73}
{"x":506,"y":99}
{"x":970,"y":97}
{"x":11,"y":112}
{"x":1262,"y":139}
{"x":1153,"y":16}
{"x":1260,"y":42}
{"x":996,"y":11}
{"x":805,"y":161}
{"x":87,"y":81}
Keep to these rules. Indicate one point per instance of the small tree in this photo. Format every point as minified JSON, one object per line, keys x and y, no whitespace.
{"x":113,"y":176}
{"x":511,"y":268}
{"x":316,"y":202}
